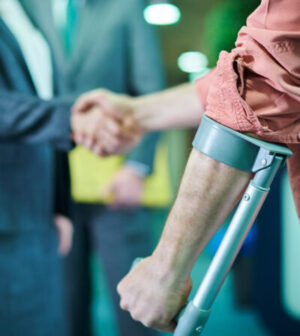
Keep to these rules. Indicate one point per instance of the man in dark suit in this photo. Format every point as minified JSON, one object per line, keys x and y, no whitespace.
{"x":33,"y":125}
{"x":109,"y":45}
{"x":30,"y":130}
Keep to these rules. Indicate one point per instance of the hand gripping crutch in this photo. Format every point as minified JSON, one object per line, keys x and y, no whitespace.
{"x":245,"y":153}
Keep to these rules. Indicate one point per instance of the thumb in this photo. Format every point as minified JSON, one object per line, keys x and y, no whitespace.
{"x":64,"y":229}
{"x":88,"y":100}
{"x":108,"y":191}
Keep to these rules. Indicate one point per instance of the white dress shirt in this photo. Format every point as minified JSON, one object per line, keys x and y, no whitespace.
{"x":34,"y":47}
{"x":59,"y":8}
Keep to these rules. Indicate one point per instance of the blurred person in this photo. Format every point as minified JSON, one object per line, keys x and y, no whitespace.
{"x":33,"y":228}
{"x":107,"y":44}
{"x":31,"y":128}
{"x":254,"y":89}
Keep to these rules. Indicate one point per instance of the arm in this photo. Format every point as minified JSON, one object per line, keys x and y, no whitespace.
{"x":158,"y":287}
{"x":255,"y":89}
{"x":171,"y":108}
{"x":29,"y":119}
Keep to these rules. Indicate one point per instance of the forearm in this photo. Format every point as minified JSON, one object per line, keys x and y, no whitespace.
{"x":208,"y":192}
{"x":172,"y":108}
{"x":28,"y":119}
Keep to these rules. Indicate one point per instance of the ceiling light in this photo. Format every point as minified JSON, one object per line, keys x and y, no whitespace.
{"x":162,"y":13}
{"x":192,"y":61}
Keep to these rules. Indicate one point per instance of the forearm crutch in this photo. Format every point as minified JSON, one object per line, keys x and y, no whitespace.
{"x":249,"y":154}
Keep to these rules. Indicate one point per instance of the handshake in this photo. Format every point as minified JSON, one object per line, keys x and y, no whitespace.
{"x":105,"y":122}
{"x":109,"y":123}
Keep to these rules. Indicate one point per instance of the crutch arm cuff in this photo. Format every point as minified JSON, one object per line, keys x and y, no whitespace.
{"x":236,"y":149}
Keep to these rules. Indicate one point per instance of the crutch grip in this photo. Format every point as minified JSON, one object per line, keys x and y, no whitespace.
{"x":191,"y":321}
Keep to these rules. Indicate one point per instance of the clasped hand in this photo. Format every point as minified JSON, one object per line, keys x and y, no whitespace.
{"x":104,"y":122}
{"x":153,"y":294}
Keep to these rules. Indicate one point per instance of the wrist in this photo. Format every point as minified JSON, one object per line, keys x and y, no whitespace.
{"x":172,"y":261}
{"x":142,"y":112}
{"x":138,"y":168}
{"x":72,"y":121}
{"x":131,"y":172}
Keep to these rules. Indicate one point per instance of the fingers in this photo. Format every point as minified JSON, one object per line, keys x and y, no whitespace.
{"x":104,"y":143}
{"x":64,"y":229}
{"x":98,"y":150}
{"x":88,"y":100}
{"x":110,"y":144}
{"x":78,"y":137}
{"x":107,"y":192}
{"x":96,"y":132}
{"x":116,"y":106}
{"x":112,"y":127}
{"x":150,"y":298}
{"x":113,"y":105}
{"x":102,"y":133}
{"x":128,"y":187}
{"x":142,"y":310}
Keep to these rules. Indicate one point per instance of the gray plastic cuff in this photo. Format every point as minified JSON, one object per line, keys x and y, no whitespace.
{"x":233,"y":148}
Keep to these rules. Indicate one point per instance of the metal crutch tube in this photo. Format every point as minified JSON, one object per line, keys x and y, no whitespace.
{"x":248,"y":154}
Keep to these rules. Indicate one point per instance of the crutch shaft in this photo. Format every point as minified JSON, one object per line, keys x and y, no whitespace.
{"x":230,"y":246}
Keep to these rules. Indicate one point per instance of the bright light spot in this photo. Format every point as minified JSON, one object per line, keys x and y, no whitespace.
{"x":162,"y":14}
{"x":192,"y":61}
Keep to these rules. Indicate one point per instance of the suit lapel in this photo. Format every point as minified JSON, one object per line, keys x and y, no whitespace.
{"x":41,"y":14}
{"x":11,"y":42}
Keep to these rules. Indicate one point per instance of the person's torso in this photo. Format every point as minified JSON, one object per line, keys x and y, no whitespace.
{"x":101,"y":51}
{"x":102,"y":57}
{"x":26,"y":171}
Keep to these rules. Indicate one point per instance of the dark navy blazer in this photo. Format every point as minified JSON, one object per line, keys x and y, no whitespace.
{"x":30,"y":130}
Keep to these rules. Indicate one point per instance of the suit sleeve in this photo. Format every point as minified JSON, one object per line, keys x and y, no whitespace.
{"x":145,"y":72}
{"x":28,"y":119}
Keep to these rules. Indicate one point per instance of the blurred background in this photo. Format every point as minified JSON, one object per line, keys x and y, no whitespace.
{"x":120,"y":204}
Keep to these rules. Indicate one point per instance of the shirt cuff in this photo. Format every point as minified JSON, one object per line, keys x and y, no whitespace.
{"x":141,"y":169}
